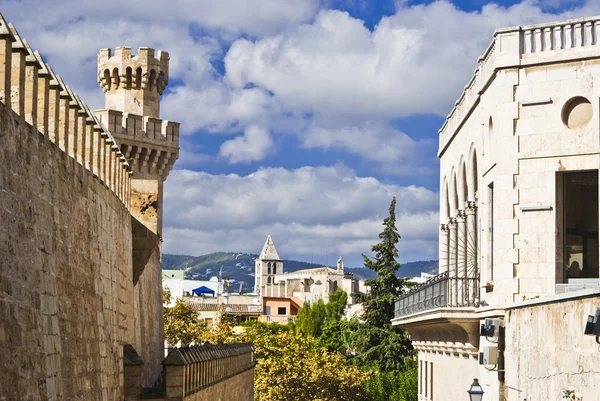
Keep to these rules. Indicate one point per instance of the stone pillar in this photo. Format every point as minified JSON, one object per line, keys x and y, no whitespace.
{"x":472,"y":251}
{"x":6,"y":39}
{"x":443,"y":254}
{"x":452,"y":260}
{"x":31,"y":86}
{"x":461,"y":256}
{"x":17,"y":74}
{"x":43,"y":94}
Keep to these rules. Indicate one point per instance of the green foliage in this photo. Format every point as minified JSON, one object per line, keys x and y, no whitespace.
{"x":312,"y":319}
{"x":166,"y":295}
{"x":394,"y":386}
{"x":378,"y":343}
{"x":294,"y":368}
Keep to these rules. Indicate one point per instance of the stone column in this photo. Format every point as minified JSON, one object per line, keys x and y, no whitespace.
{"x":452,"y":260}
{"x":461,"y":255}
{"x":472,"y":251}
{"x":443,"y":249}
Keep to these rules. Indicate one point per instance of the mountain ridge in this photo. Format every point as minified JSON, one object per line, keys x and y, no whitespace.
{"x":239,"y":267}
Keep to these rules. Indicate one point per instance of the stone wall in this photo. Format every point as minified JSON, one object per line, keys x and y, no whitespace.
{"x":547,"y":351}
{"x":237,"y":388}
{"x":79,"y":276}
{"x":65,"y":273}
{"x":221,"y":372}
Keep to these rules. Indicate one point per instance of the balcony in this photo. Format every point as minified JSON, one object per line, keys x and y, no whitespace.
{"x":279,"y":319}
{"x":440,"y":291}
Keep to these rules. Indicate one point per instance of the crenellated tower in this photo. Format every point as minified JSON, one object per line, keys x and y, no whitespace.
{"x":133,"y":86}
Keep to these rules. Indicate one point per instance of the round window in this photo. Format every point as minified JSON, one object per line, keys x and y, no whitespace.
{"x":577,"y":112}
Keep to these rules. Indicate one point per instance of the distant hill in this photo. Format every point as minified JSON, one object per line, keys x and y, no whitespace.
{"x":239,"y":267}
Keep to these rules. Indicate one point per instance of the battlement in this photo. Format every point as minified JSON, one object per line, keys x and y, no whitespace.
{"x":34,"y":92}
{"x":133,"y":84}
{"x":141,"y":72}
{"x":150,"y":144}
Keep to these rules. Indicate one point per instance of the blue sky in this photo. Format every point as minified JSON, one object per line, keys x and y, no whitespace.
{"x":300,"y":118}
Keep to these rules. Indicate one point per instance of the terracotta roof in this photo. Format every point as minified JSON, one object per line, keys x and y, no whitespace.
{"x":229,"y":308}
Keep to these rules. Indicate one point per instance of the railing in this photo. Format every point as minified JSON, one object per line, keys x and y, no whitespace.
{"x":438,"y":292}
{"x":280,"y":319}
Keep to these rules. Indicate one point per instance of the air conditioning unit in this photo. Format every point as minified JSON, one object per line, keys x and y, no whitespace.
{"x":488,"y":356}
{"x":490,"y":328}
{"x":592,"y":327}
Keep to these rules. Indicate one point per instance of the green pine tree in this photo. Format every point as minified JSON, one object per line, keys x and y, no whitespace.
{"x":379,"y":344}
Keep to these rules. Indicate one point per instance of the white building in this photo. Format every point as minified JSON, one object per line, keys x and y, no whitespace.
{"x":519,"y":225}
{"x":306,"y":285}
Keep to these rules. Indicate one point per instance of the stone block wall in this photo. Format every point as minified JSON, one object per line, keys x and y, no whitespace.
{"x":66,"y":288}
{"x":222,"y":372}
{"x":77,"y":283}
{"x":547,"y":352}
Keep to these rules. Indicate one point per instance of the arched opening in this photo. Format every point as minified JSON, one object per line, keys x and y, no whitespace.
{"x":115,"y":78}
{"x":453,"y":195}
{"x":269,"y":268}
{"x":128,"y":73}
{"x":138,"y":78}
{"x":152,"y":80}
{"x":462,"y":185}
{"x":160,"y":84}
{"x":107,"y":79}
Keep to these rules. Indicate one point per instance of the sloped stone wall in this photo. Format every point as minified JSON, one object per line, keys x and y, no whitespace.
{"x":66,"y":288}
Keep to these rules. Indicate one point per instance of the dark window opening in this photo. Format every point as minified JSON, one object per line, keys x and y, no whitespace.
{"x":282,"y":311}
{"x":491,"y":231}
{"x":580,"y":217}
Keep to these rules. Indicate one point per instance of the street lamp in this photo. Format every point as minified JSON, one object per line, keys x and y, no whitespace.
{"x":475,"y":392}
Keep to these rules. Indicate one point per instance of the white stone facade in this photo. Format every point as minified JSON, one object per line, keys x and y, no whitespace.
{"x":519,"y":159}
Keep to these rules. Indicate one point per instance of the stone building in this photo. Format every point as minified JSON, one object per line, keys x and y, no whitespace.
{"x":81,"y":208}
{"x":304,"y":285}
{"x":519,"y":248}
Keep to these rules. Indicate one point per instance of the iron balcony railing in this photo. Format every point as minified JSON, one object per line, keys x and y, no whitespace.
{"x":438,"y":292}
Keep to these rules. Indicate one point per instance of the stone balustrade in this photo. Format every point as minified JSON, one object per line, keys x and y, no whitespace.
{"x":194,"y":369}
{"x":519,"y":47}
{"x":33,"y":91}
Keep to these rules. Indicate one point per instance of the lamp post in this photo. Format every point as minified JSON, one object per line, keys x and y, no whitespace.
{"x":476,"y":391}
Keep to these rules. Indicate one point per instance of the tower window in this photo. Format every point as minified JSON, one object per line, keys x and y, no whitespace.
{"x":128,"y":72}
{"x":138,"y":78}
{"x":115,"y":79}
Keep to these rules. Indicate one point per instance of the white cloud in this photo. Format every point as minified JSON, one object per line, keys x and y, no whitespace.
{"x":254,"y":145}
{"x":308,"y":210}
{"x":416,"y":61}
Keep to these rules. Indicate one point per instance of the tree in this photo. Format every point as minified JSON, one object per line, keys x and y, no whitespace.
{"x":292,"y":367}
{"x":182,"y":325}
{"x":380,"y":344}
{"x":166,"y":294}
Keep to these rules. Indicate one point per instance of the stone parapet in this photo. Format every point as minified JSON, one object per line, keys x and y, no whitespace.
{"x":33,"y":91}
{"x":514,"y":47}
{"x":150,"y":144}
{"x":190,"y":371}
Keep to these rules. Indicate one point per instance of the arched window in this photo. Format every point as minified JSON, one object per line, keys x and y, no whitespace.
{"x":269,"y":280}
{"x":115,"y":78}
{"x":274,"y":268}
{"x":269,"y":268}
{"x":128,"y":72}
{"x":160,"y":83}
{"x":107,"y":79}
{"x":152,"y":83}
{"x":335,"y":286}
{"x":138,"y":78}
